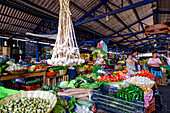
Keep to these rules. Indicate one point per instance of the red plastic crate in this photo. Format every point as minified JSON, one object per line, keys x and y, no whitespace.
{"x":151,"y":106}
{"x":33,"y":87}
{"x":49,"y":74}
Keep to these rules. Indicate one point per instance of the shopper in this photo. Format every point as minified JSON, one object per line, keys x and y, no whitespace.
{"x":130,"y":63}
{"x":134,"y":54}
{"x":154,"y":64}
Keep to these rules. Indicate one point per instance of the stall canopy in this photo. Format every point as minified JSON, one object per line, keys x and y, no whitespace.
{"x":120,"y":21}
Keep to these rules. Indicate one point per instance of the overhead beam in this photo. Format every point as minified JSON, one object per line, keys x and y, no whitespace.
{"x":86,"y":27}
{"x":26,"y":9}
{"x":164,"y":12}
{"x":129,"y":34}
{"x":152,"y":39}
{"x":136,"y":40}
{"x":93,"y":10}
{"x":133,"y":24}
{"x":41,"y":8}
{"x":116,"y":11}
{"x":104,"y":25}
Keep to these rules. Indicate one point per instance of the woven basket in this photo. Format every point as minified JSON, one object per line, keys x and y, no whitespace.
{"x":35,"y":94}
{"x":17,"y":72}
{"x":62,"y":72}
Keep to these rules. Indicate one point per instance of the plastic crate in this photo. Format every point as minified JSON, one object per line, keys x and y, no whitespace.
{"x":49,"y":74}
{"x":33,"y":87}
{"x":151,"y":106}
{"x":116,"y":105}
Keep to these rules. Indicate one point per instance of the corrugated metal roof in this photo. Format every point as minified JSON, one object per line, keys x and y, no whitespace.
{"x":26,"y":20}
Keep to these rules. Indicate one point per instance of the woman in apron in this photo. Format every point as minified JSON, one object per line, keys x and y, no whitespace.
{"x":154,"y":64}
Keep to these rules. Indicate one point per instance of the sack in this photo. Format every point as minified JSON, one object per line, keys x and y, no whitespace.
{"x":118,"y":67}
{"x":158,"y":100}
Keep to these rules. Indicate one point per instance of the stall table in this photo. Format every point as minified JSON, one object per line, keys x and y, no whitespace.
{"x":25,"y":75}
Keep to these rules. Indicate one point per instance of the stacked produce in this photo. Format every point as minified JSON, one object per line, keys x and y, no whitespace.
{"x":132,"y":92}
{"x":16,"y":69}
{"x":37,"y":67}
{"x":145,"y":73}
{"x":53,"y":90}
{"x":138,"y":80}
{"x":26,"y":105}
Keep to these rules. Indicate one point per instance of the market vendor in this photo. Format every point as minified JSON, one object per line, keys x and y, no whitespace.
{"x":100,"y":61}
{"x":130,"y":63}
{"x":154,"y":64}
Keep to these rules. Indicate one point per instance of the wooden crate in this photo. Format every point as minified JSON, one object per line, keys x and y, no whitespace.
{"x":6,"y":50}
{"x":163,"y":80}
{"x":51,"y":81}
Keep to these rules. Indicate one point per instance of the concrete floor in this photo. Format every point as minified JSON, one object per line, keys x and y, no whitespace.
{"x":165,"y":92}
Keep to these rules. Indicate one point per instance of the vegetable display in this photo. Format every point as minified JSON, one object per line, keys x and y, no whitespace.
{"x":145,"y":73}
{"x":132,"y":92}
{"x":26,"y":105}
{"x":53,"y":90}
{"x":139,"y":80}
{"x":15,"y":67}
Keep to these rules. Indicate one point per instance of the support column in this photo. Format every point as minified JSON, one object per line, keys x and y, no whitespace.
{"x":116,"y":51}
{"x":37,"y":55}
{"x":124,"y":50}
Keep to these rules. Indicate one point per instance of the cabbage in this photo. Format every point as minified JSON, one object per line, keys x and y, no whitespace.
{"x":10,"y":63}
{"x":64,"y":83}
{"x":73,"y":81}
{"x":71,"y":85}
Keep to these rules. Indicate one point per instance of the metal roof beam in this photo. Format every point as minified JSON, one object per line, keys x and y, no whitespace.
{"x":164,"y":12}
{"x":122,"y":23}
{"x":91,"y":16}
{"x":155,"y":43}
{"x":26,"y":9}
{"x":136,"y":13}
{"x":153,"y":39}
{"x":133,"y":24}
{"x":106,"y":38}
{"x":116,"y":11}
{"x":137,"y":40}
{"x":37,"y":6}
{"x":16,"y":25}
{"x":127,"y":26}
{"x":93,"y":10}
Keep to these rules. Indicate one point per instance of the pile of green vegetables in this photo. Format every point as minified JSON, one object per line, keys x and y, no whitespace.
{"x":63,"y":105}
{"x":4,"y":63}
{"x":85,"y":81}
{"x":57,"y":68}
{"x":132,"y":92}
{"x":26,"y":105}
{"x":53,"y":90}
